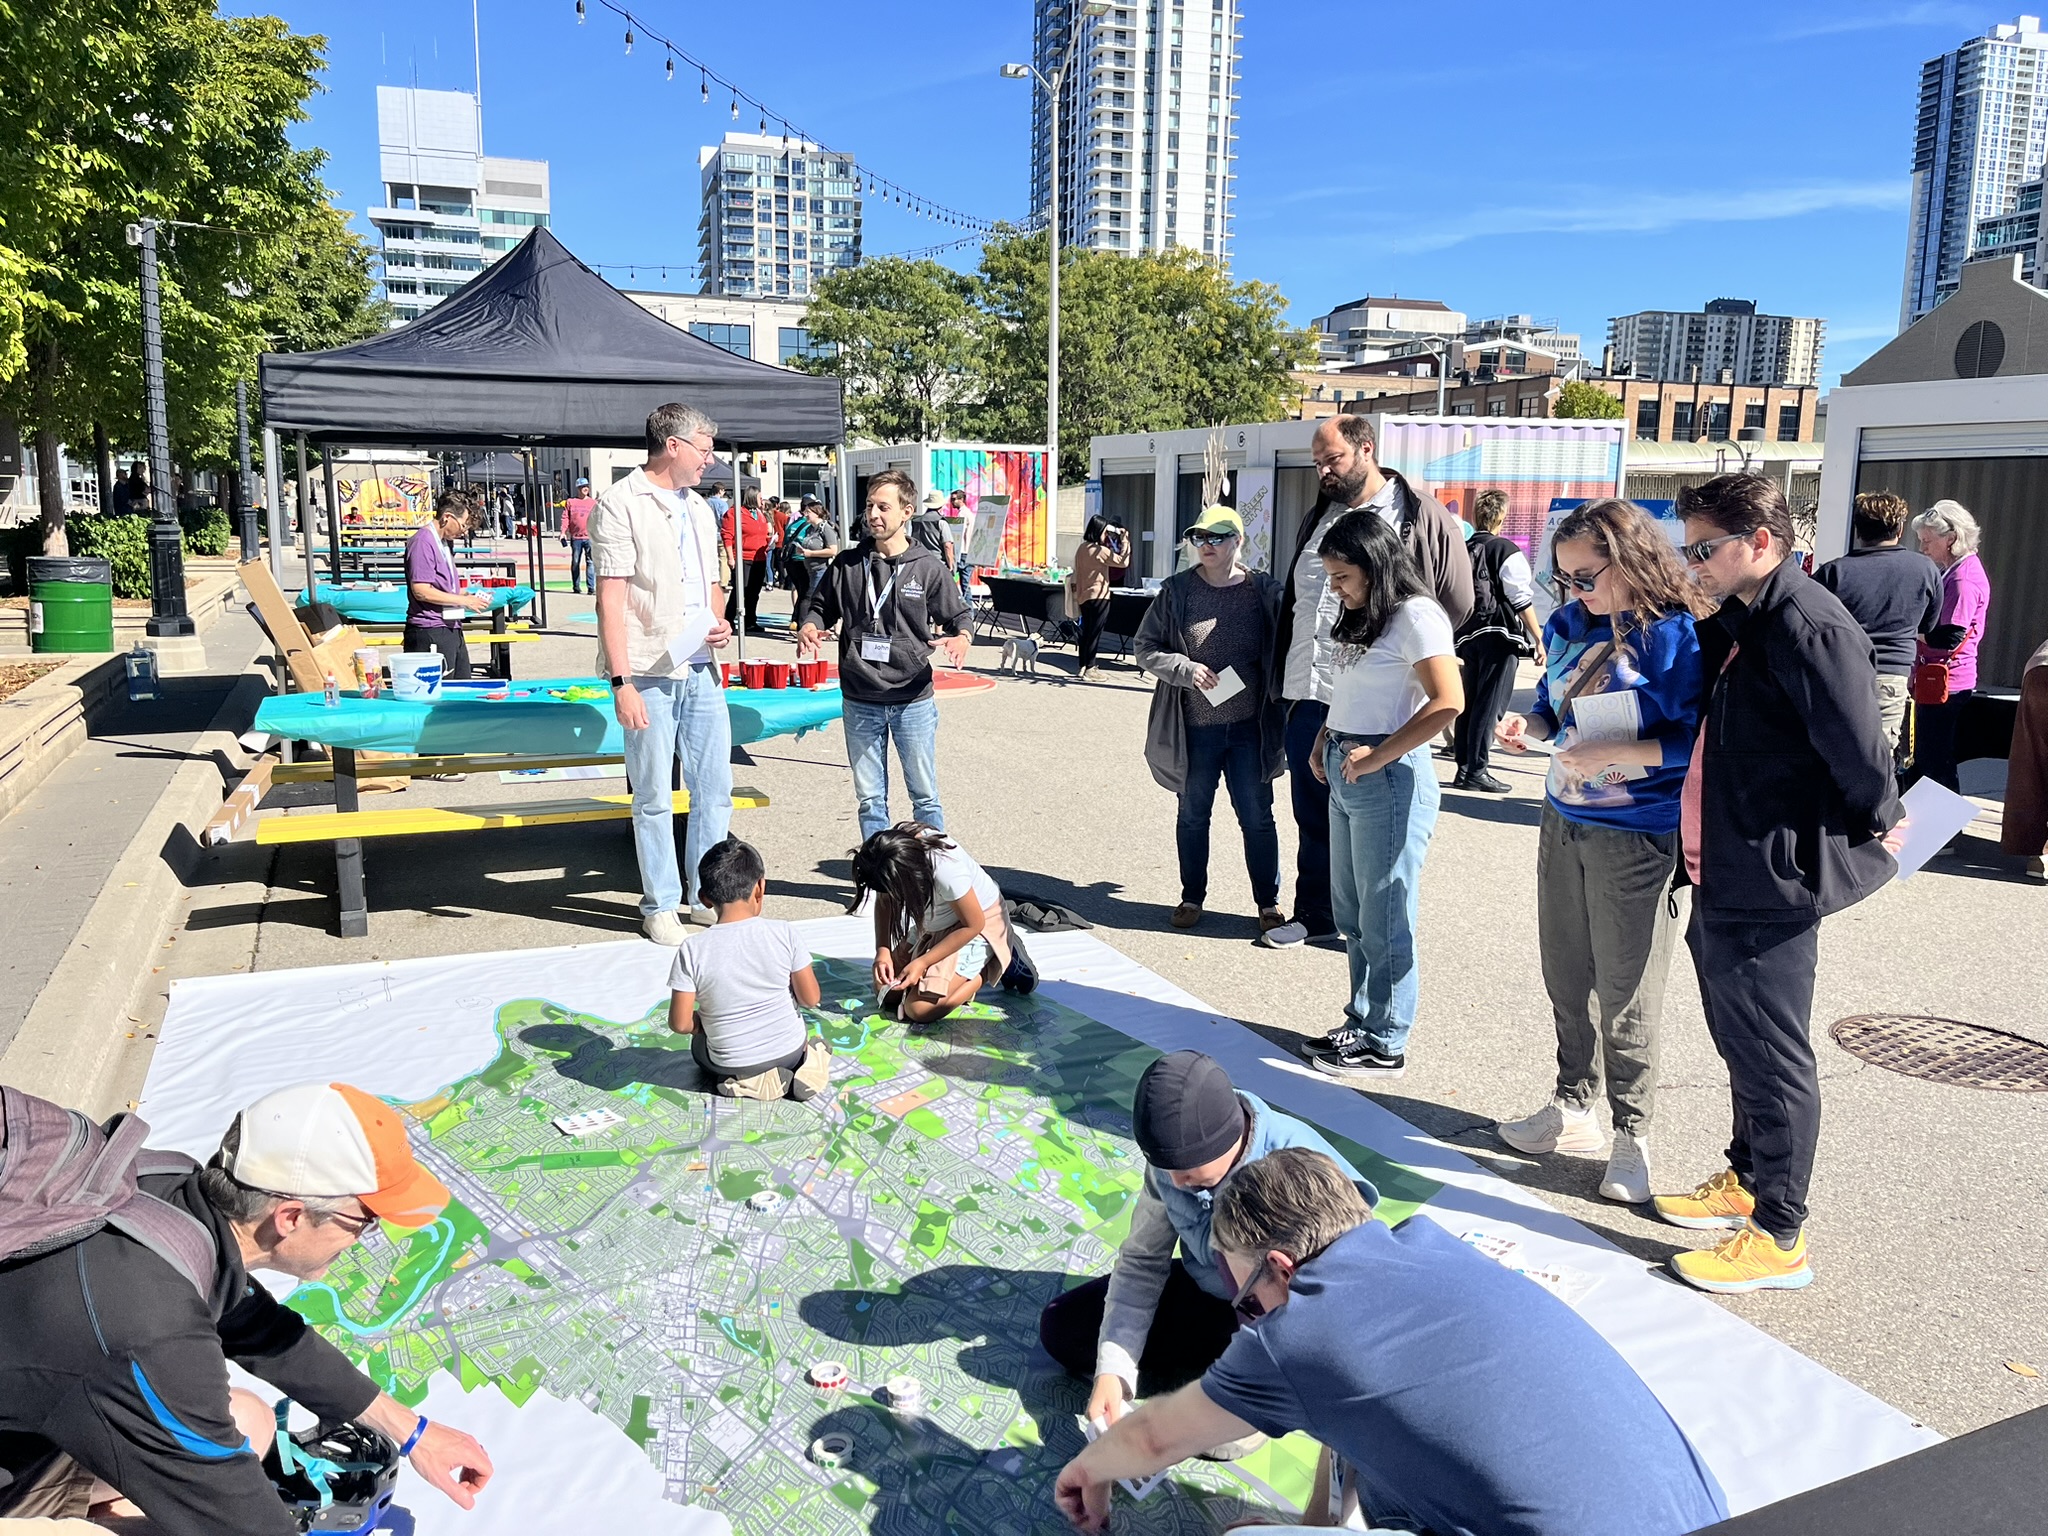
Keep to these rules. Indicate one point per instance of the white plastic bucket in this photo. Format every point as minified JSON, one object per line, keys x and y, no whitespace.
{"x":416,"y":675}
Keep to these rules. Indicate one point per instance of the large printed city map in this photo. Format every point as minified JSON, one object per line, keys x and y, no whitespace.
{"x":916,"y":1219}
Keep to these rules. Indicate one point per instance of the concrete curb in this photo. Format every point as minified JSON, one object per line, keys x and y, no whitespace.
{"x":44,"y":723}
{"x":69,"y":1045}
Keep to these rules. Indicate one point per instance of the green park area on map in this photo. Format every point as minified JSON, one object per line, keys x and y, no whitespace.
{"x":949,"y":1185}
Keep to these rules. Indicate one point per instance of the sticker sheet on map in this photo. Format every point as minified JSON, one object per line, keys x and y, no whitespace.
{"x":945,"y":1190}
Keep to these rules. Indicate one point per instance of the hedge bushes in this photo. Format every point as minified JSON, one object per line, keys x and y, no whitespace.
{"x":121,"y":541}
{"x":207,"y":531}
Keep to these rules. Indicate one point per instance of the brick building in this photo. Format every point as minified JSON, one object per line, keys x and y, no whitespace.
{"x":1656,"y":410}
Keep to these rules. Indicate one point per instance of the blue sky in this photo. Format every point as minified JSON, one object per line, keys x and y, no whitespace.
{"x":1575,"y":161}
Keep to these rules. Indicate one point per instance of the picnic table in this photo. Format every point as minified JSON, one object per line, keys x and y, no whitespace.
{"x":385,"y":604}
{"x":481,"y":727}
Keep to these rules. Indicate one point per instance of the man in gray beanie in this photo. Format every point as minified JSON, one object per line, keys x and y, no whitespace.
{"x":1154,"y":1317}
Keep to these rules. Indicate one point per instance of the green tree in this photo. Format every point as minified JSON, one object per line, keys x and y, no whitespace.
{"x":160,"y":109}
{"x":1586,"y":402}
{"x":1147,"y":343}
{"x":904,"y":336}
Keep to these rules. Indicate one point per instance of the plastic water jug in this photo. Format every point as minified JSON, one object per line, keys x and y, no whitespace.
{"x":141,"y":674}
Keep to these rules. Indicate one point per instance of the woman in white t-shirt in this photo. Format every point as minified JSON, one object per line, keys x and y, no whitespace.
{"x":940,"y":932}
{"x":1395,"y":686}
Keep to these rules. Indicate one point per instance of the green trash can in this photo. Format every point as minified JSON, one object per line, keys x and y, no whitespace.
{"x":70,"y":603}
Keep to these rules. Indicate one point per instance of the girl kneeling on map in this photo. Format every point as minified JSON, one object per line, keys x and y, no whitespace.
{"x":940,"y":932}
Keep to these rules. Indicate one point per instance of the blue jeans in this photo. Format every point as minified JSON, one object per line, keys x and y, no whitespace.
{"x":916,"y":729}
{"x":1230,"y":753}
{"x":686,"y":721}
{"x":579,"y":562}
{"x":1311,"y":819}
{"x":1379,"y":831}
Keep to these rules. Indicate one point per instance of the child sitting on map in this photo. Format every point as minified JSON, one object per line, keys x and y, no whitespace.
{"x":940,"y":931}
{"x":737,"y":985}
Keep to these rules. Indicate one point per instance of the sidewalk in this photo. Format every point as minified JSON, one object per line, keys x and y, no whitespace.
{"x":59,"y":847}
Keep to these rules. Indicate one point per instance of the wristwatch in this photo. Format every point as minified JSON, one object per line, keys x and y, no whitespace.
{"x":618,"y":682}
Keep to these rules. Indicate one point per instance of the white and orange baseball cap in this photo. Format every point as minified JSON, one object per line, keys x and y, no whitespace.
{"x":328,"y":1140}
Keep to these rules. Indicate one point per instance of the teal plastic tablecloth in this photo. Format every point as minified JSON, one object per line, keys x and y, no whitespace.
{"x":360,"y":605}
{"x":532,"y":720}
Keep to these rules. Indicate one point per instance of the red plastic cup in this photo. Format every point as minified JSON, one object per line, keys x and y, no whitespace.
{"x":810,"y":674}
{"x":778,"y":674}
{"x":731,"y":673}
{"x":755,"y":673}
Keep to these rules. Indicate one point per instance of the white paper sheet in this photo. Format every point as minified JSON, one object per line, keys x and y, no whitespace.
{"x":686,"y":645}
{"x":1769,"y":1421}
{"x":1934,"y":814}
{"x":1228,"y":686}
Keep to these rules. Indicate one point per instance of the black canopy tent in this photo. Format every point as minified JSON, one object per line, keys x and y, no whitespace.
{"x":539,"y":350}
{"x":508,"y":467}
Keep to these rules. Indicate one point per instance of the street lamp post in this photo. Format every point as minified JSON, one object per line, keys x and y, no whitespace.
{"x":1087,"y":10}
{"x":168,"y":614}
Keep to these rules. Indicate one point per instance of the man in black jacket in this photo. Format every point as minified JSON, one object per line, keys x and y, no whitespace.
{"x":886,"y":597}
{"x":1894,"y":593}
{"x":113,"y":1368}
{"x":1784,"y":819}
{"x":1350,"y":477}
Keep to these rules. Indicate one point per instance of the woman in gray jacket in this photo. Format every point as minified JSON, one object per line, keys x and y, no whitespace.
{"x":1208,"y":638}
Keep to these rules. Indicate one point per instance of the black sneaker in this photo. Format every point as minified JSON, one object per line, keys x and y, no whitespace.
{"x":1021,"y":976}
{"x":1485,"y":783}
{"x":1337,"y":1039}
{"x":1357,"y":1062}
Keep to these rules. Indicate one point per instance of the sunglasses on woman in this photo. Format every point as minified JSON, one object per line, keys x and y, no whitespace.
{"x":1209,"y":540}
{"x":1578,"y":581}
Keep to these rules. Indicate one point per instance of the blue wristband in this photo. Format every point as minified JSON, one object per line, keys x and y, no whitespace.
{"x":413,"y":1439}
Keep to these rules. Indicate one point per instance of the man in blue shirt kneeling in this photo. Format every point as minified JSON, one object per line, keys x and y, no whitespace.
{"x":1456,"y":1396}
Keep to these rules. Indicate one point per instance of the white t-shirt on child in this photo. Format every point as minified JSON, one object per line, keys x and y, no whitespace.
{"x":954,"y":874}
{"x":1374,"y":690}
{"x":740,"y":973}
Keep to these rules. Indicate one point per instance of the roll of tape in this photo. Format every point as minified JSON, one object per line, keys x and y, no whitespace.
{"x":828,"y":1375}
{"x":831,"y":1451}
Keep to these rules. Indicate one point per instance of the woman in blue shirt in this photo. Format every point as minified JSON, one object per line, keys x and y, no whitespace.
{"x":1619,"y":700}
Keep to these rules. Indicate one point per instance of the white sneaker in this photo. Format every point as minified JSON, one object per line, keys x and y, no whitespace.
{"x":1628,"y":1170}
{"x":1286,"y":936}
{"x":665,"y":928}
{"x":1556,"y":1127}
{"x":699,"y":917}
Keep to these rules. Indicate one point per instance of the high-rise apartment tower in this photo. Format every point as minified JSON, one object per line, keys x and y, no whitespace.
{"x":779,"y":216}
{"x":1148,"y":123}
{"x":1981,"y":136}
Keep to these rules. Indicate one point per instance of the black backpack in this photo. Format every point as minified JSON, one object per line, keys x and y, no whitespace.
{"x":1490,"y":608}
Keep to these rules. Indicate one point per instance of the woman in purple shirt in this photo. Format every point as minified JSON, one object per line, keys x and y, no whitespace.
{"x":1948,"y":536}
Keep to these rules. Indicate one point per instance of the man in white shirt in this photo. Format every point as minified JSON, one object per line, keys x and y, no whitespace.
{"x":660,"y":614}
{"x":1350,"y":477}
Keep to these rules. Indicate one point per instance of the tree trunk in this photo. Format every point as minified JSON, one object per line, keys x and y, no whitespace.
{"x":50,"y":490}
{"x":103,"y":462}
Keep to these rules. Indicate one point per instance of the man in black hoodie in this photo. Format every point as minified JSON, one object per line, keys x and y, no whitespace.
{"x":887,"y":595}
{"x":1784,"y":819}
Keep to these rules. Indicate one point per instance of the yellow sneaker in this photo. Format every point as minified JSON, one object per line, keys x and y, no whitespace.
{"x":1720,"y":1202}
{"x":1751,"y":1260}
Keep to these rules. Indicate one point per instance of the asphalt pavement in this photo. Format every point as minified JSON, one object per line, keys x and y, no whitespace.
{"x":1926,"y":1231}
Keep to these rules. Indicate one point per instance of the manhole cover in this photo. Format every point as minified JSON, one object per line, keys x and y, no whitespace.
{"x":1946,"y":1051}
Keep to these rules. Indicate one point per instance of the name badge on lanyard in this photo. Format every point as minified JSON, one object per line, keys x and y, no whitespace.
{"x":874,"y":640}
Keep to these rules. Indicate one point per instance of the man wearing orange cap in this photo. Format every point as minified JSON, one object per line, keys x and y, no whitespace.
{"x":113,"y":1364}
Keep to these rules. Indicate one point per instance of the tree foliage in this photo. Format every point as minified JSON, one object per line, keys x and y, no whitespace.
{"x":902,"y":335}
{"x":158,"y":109}
{"x":1586,"y":402}
{"x":1147,"y":342}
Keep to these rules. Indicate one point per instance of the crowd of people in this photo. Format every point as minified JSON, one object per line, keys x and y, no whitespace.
{"x":1718,"y":727}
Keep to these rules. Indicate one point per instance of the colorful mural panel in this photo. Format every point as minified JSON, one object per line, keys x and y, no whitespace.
{"x":1460,"y":459}
{"x":1016,"y":473}
{"x":382,"y":498}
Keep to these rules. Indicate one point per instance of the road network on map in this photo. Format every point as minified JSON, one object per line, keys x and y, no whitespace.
{"x":946,"y":1188}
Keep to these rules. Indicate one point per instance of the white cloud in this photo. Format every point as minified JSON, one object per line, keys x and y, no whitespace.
{"x":1587,"y":211}
{"x":1931,"y":15}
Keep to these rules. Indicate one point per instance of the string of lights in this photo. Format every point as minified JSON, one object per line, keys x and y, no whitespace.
{"x":637,"y":30}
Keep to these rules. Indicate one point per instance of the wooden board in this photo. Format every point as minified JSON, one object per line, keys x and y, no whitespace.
{"x":325,"y":827}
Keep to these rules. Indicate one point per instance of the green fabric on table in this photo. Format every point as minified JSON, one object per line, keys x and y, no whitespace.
{"x":541,"y":717}
{"x":361,"y":605}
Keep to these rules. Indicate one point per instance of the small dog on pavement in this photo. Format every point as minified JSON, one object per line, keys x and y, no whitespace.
{"x":1020,"y":656}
